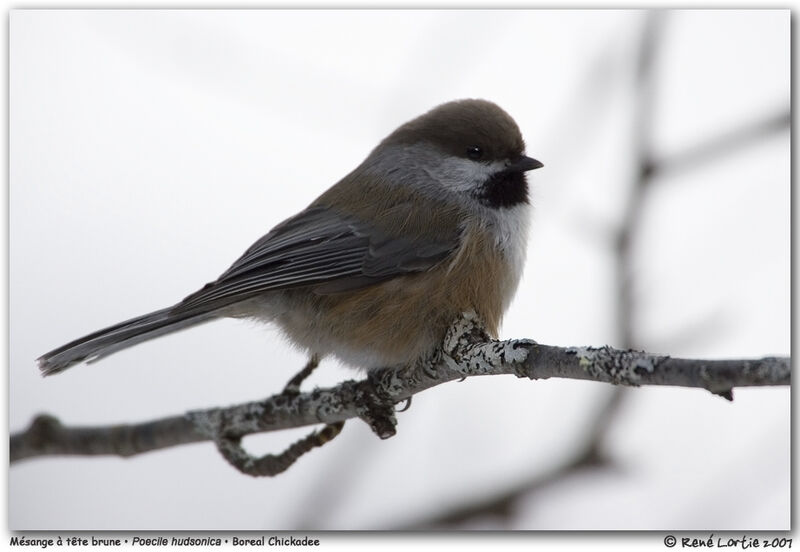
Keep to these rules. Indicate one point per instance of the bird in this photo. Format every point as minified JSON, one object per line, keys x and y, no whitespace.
{"x":433,"y":223}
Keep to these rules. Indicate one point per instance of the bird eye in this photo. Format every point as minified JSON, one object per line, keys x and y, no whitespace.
{"x":474,"y":153}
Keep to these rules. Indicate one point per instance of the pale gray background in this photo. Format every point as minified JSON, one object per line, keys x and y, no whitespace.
{"x":149,"y":149}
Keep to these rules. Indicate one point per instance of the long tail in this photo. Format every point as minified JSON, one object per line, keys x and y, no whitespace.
{"x":119,"y":336}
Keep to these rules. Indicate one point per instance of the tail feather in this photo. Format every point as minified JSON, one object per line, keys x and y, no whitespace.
{"x":119,"y":336}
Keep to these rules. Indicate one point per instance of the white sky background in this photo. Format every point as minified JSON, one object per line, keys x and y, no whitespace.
{"x":149,"y":149}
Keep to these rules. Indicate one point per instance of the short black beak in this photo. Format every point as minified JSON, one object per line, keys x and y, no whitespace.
{"x":524,"y":164}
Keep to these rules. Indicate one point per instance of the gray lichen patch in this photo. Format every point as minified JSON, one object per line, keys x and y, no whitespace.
{"x":328,"y":405}
{"x":247,"y":418}
{"x":205,"y":422}
{"x":465,"y":331}
{"x":616,"y":366}
{"x":768,"y":370}
{"x":469,"y":351}
{"x":513,"y":351}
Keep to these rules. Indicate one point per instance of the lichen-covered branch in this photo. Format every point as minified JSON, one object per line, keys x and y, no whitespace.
{"x":467,"y":351}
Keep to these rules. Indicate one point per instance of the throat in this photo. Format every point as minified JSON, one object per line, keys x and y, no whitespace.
{"x":503,"y":190}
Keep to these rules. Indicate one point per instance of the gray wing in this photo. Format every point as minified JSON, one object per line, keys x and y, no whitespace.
{"x":323,"y":249}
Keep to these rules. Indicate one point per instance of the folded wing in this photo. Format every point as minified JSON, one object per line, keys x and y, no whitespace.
{"x":322,"y":249}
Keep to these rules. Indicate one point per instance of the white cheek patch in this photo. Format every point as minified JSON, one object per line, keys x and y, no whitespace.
{"x":463,"y":175}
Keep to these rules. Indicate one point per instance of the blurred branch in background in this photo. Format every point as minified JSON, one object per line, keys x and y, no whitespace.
{"x":643,"y":172}
{"x":723,"y":145}
{"x":501,"y":507}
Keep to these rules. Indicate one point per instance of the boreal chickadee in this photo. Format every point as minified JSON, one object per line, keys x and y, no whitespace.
{"x":431,"y":224}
